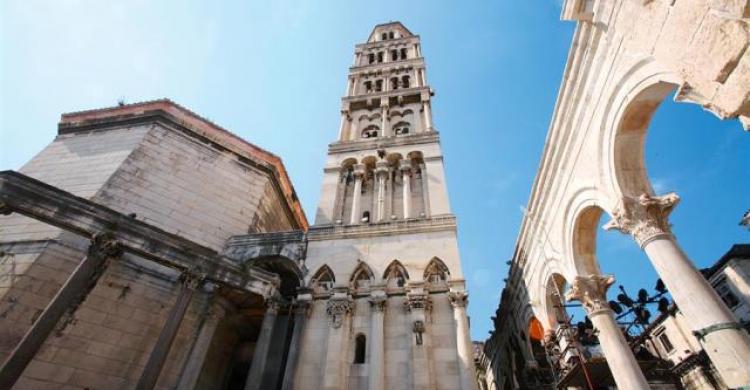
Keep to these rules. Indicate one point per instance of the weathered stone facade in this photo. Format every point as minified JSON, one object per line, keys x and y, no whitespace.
{"x":147,"y":247}
{"x":625,"y":58}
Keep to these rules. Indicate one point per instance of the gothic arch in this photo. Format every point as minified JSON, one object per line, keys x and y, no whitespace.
{"x":324,"y":279}
{"x":395,"y":274}
{"x":362,"y":276}
{"x":436,"y":271}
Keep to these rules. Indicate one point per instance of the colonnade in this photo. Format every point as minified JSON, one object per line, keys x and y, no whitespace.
{"x":385,"y":179}
{"x":645,"y":218}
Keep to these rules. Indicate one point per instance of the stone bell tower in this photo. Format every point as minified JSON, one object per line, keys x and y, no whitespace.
{"x":386,"y":292}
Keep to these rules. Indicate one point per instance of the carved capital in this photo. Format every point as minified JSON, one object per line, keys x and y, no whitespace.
{"x":104,"y":246}
{"x":591,"y":291}
{"x":193,"y":278}
{"x":458,"y":298}
{"x":337,"y":309}
{"x":359,"y":171}
{"x":417,"y":301}
{"x":644,"y":217}
{"x":378,"y":302}
{"x":405,"y":169}
{"x":273,"y":305}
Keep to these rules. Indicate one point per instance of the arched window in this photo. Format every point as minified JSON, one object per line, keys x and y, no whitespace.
{"x":380,"y":56}
{"x":368,"y":86}
{"x":378,"y":85}
{"x":323,"y":279}
{"x":405,"y":82}
{"x":401,"y":128}
{"x":395,"y":275}
{"x":436,"y":272}
{"x":383,"y":36}
{"x":362,"y":276}
{"x":360,"y":349}
{"x":370,"y":132}
{"x":391,"y":35}
{"x":403,"y":54}
{"x":394,"y":55}
{"x":394,"y":83}
{"x":371,"y":57}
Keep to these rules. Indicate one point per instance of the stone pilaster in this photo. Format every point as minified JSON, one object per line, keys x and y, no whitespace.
{"x":338,"y":308}
{"x":381,"y":173}
{"x":591,"y":291}
{"x":378,"y":301}
{"x":466,"y":371}
{"x":418,"y":303}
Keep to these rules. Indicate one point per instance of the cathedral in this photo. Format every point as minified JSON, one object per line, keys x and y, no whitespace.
{"x":147,"y":247}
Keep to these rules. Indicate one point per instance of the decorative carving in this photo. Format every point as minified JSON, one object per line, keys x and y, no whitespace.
{"x":591,"y":291}
{"x":193,"y":278}
{"x":417,"y":301}
{"x":458,"y":298}
{"x":104,"y":246}
{"x":378,"y":302}
{"x":273,"y":305}
{"x":337,"y":309}
{"x":644,"y":217}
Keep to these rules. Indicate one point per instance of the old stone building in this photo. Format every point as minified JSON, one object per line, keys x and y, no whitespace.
{"x":147,"y":247}
{"x":625,"y":58}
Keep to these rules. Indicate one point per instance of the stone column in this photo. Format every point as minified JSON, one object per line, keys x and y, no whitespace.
{"x":417,"y":303}
{"x":591,"y":291}
{"x":350,"y":82}
{"x":190,"y":282}
{"x":194,"y":365}
{"x":391,"y":185}
{"x":338,"y":308}
{"x":359,"y":173}
{"x":381,"y":172}
{"x":425,"y":192}
{"x":378,"y":301}
{"x":353,"y":130}
{"x":722,"y":337}
{"x":466,"y":371}
{"x":343,"y":133}
{"x":67,"y":299}
{"x":384,"y":114}
{"x":338,"y":205}
{"x":406,"y":180}
{"x":262,"y":347}
{"x":301,"y":309}
{"x":427,"y":116}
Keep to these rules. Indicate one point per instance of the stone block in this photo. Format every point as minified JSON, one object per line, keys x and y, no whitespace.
{"x":716,"y":48}
{"x":47,"y":371}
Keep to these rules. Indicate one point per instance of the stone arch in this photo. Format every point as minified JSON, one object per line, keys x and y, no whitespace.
{"x":395,"y":274}
{"x":583,"y":242}
{"x":554,"y":299}
{"x":288,"y":270}
{"x":436,"y":272}
{"x":362,"y":276}
{"x":323,"y":280}
{"x":348,"y":163}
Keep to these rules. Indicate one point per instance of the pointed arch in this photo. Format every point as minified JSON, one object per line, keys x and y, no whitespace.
{"x":361,"y":276}
{"x":395,"y":274}
{"x":436,"y":272}
{"x":324,"y":279}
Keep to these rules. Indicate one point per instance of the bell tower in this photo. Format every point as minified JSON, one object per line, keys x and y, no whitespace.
{"x":386,"y":292}
{"x":386,"y":164}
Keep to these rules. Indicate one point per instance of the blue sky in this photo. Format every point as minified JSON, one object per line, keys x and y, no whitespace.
{"x":273,"y":72}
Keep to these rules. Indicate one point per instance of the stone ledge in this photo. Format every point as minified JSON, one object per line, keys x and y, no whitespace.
{"x":381,"y":143}
{"x":407,"y":226}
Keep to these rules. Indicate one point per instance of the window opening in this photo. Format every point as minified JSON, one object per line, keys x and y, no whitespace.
{"x":403,"y":53}
{"x":360,"y":349}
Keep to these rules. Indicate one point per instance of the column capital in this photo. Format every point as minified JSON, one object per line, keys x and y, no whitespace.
{"x":644,"y":217}
{"x":378,"y":301}
{"x":337,"y":308}
{"x":419,"y":300}
{"x":193,"y":278}
{"x":405,"y":169}
{"x":103,"y":246}
{"x":359,"y":171}
{"x":458,"y":298}
{"x":591,"y":291}
{"x":381,"y":168}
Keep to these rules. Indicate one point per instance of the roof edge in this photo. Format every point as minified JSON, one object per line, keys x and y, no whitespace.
{"x":199,"y":125}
